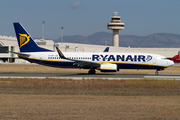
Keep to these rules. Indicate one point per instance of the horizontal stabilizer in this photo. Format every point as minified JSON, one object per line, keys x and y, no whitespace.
{"x":21,"y":54}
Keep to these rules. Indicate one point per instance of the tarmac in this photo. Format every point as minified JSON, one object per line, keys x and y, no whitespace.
{"x":80,"y":76}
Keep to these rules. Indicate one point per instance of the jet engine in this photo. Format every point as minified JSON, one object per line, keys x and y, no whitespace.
{"x":108,"y":68}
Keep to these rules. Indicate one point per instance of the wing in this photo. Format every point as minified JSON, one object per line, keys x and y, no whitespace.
{"x":79,"y":62}
{"x":86,"y":63}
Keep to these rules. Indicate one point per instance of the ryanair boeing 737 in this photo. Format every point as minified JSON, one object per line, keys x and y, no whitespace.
{"x":103,"y":61}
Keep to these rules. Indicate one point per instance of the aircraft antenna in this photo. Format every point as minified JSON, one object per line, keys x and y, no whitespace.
{"x":43,"y":30}
{"x":61,"y":34}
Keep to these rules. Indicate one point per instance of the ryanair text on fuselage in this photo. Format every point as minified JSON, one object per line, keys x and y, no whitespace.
{"x":132,"y":58}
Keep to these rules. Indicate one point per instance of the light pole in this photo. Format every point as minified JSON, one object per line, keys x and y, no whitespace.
{"x":61,"y":34}
{"x":43,"y":30}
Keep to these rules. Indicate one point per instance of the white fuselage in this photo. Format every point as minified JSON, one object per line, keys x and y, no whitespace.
{"x":123,"y":60}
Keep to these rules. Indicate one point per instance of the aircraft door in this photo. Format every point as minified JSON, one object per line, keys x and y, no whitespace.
{"x":154,"y":60}
{"x":41,"y":58}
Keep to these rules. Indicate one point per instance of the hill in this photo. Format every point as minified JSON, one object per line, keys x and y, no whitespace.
{"x":159,"y":40}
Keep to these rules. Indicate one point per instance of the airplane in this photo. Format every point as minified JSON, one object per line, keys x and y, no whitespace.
{"x":176,"y":58}
{"x":103,"y":61}
{"x":106,"y":49}
{"x":77,"y":50}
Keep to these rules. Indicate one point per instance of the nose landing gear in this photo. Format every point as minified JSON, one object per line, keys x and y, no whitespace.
{"x":157,"y":73}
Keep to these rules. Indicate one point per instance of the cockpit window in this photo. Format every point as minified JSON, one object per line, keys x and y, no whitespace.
{"x":164,"y":58}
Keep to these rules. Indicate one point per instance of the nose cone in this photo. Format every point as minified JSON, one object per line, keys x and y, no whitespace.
{"x":170,"y":63}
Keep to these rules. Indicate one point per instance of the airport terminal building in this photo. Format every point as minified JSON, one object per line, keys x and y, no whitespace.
{"x":9,"y":43}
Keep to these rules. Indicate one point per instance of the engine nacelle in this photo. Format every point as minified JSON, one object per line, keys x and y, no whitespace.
{"x":108,"y":68}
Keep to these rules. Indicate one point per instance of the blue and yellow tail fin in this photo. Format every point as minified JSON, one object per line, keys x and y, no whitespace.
{"x":25,"y":41}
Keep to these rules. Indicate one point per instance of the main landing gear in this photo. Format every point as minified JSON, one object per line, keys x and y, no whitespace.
{"x":92,"y":71}
{"x":157,"y":73}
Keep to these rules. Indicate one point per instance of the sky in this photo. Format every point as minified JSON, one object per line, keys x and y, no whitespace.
{"x":86,"y":17}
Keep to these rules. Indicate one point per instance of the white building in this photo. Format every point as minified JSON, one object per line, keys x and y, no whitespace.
{"x":8,"y":43}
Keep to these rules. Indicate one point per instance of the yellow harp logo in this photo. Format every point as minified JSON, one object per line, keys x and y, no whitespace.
{"x":24,"y":39}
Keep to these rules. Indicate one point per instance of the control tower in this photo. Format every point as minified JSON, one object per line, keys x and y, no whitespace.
{"x":115,"y":25}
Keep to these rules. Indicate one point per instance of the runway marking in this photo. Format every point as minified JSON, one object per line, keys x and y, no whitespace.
{"x":90,"y":78}
{"x":85,"y":76}
{"x":164,"y":77}
{"x":73,"y":78}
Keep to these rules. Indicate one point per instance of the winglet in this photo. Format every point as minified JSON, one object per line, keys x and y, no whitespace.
{"x":60,"y":53}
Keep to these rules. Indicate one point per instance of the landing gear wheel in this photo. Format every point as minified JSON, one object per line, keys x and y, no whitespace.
{"x":92,"y":71}
{"x":157,"y":73}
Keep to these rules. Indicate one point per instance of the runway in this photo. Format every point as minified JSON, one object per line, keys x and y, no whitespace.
{"x":87,"y":76}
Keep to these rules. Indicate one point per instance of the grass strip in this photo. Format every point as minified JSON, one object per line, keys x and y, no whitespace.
{"x":131,"y":87}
